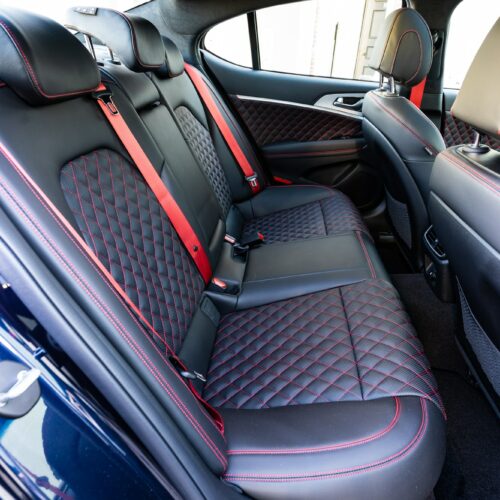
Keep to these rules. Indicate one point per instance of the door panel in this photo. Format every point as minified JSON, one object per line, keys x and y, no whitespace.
{"x":308,"y":129}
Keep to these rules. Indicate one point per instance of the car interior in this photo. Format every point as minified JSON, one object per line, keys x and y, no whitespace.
{"x":277,"y":274}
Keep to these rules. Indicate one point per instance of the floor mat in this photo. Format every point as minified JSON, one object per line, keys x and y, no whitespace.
{"x":472,"y":466}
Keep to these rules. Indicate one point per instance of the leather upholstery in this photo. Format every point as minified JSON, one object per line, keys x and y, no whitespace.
{"x":135,"y":40}
{"x":372,"y":354}
{"x":477,"y":103}
{"x":464,"y":189}
{"x":43,"y":66}
{"x":404,"y":48}
{"x":174,"y":62}
{"x":165,"y":286}
{"x":458,"y":132}
{"x":402,"y":141}
{"x":465,"y":210}
{"x":337,"y":345}
{"x":333,"y":214}
{"x":272,"y":122}
{"x":203,"y":148}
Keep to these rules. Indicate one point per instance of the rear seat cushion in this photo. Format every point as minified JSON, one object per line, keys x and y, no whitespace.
{"x":306,"y":212}
{"x":350,"y":343}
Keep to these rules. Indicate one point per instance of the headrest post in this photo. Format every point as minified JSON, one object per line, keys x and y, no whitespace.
{"x":392,"y":85}
{"x":89,"y":44}
{"x":476,"y":147}
{"x":381,"y":81}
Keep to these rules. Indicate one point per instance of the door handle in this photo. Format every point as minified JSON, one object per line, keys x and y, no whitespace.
{"x":349,"y":102}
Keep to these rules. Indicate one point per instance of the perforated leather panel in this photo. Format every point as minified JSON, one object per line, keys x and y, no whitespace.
{"x":335,"y":214}
{"x":271,"y":122}
{"x":202,"y":146}
{"x":125,"y":226}
{"x":347,"y":344}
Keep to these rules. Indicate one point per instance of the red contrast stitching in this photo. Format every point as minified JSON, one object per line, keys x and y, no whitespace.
{"x":102,"y":307}
{"x":31,"y":72}
{"x":135,"y":47}
{"x":367,"y":255}
{"x":488,"y":183}
{"x":318,"y":476}
{"x":376,"y":100}
{"x":420,"y":53}
{"x":320,"y":449}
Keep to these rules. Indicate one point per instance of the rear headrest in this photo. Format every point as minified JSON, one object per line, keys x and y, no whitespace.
{"x":404,"y":48}
{"x":42,"y":61}
{"x":478,"y":102}
{"x":174,"y":62}
{"x":135,"y":40}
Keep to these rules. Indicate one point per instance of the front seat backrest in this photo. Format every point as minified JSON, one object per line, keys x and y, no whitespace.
{"x":464,"y":206}
{"x":402,"y":141}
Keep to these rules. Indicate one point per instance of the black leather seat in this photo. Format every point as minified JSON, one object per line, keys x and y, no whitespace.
{"x":298,"y":221}
{"x":403,"y":141}
{"x":322,"y":394}
{"x":465,"y":209}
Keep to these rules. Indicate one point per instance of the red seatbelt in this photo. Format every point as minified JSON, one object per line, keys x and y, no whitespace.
{"x":108,"y":276}
{"x":417,"y":93}
{"x":206,"y":96}
{"x":166,"y":200}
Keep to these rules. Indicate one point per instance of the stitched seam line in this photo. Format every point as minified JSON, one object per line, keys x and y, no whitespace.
{"x":321,"y":449}
{"x":343,"y":472}
{"x":31,"y":73}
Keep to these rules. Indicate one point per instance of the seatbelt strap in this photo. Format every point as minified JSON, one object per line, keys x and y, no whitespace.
{"x":206,"y":96}
{"x":176,"y":361}
{"x":417,"y":93}
{"x":166,"y":200}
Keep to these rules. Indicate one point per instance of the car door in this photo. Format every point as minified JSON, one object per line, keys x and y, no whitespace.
{"x":296,"y":76}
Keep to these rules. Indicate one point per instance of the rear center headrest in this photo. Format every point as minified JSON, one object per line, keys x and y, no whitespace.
{"x":404,"y":48}
{"x":42,"y":61}
{"x":478,"y":101}
{"x":174,"y":62}
{"x":134,"y":39}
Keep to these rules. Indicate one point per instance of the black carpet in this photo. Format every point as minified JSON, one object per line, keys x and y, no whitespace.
{"x":472,"y":466}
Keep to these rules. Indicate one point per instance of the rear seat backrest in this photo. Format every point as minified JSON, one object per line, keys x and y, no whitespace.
{"x":59,"y":154}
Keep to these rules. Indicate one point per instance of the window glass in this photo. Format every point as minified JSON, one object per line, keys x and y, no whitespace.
{"x":469,"y":25}
{"x":314,"y":37}
{"x":231,"y":41}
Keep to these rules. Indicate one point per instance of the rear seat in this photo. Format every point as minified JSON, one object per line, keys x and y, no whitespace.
{"x":322,"y":394}
{"x":321,"y":232}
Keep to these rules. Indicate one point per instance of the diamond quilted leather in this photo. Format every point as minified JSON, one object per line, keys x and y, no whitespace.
{"x":202,"y":146}
{"x":347,"y":344}
{"x":458,"y":132}
{"x":335,"y":214}
{"x":271,"y":122}
{"x":131,"y":235}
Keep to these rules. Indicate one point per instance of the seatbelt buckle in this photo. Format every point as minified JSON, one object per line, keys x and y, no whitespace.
{"x":230,"y":239}
{"x":219,"y":283}
{"x":192,"y":375}
{"x":253,"y":180}
{"x":106,"y":97}
{"x":184,"y":372}
{"x":254,"y":241}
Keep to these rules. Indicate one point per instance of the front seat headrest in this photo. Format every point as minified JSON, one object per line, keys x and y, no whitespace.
{"x":134,"y":39}
{"x":42,"y":61}
{"x":404,"y":48}
{"x":478,"y":101}
{"x":174,"y":62}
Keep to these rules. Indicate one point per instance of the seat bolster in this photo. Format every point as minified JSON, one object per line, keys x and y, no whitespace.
{"x":384,"y":448}
{"x":409,"y":130}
